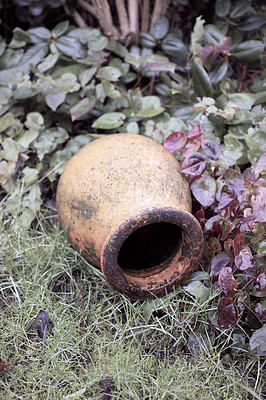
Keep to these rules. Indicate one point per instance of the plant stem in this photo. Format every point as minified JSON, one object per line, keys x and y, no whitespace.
{"x":123,"y":17}
{"x":88,"y":7}
{"x":145,"y":16}
{"x":104,"y":17}
{"x":133,"y":11}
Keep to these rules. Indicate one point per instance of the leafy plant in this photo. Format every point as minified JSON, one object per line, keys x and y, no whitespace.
{"x":202,"y":96}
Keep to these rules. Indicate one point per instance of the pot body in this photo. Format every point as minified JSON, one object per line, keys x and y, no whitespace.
{"x":128,"y":211}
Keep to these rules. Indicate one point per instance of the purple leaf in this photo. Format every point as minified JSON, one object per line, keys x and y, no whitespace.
{"x":204,"y":190}
{"x":224,"y":45}
{"x":245,"y":224}
{"x":194,"y":165}
{"x":211,"y":149}
{"x":227,"y":195}
{"x":237,"y":183}
{"x":227,"y":282}
{"x":243,"y":259}
{"x":175,"y":141}
{"x":227,"y":313}
{"x":206,"y":51}
{"x":258,"y":204}
{"x":219,"y":262}
{"x":195,"y":133}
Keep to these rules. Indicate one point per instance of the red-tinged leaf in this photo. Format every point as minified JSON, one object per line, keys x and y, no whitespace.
{"x":204,"y":190}
{"x":191,"y":147}
{"x":4,"y":364}
{"x":195,"y":133}
{"x":227,"y":282}
{"x":246,"y":224}
{"x":229,"y":247}
{"x":194,"y":165}
{"x":243,"y":259}
{"x":224,"y":45}
{"x":239,"y":243}
{"x":227,"y":195}
{"x":219,"y":262}
{"x":213,"y":226}
{"x":227,"y":228}
{"x":211,"y":149}
{"x":227,"y":313}
{"x":258,"y":204}
{"x":199,"y":215}
{"x":231,"y":211}
{"x":175,"y":141}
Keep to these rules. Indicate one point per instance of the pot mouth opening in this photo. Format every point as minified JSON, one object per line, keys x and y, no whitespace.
{"x":149,"y":248}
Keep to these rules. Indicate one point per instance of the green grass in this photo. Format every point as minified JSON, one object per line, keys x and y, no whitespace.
{"x":103,"y":345}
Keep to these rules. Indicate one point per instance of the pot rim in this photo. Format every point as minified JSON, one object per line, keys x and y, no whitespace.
{"x":180,"y":266}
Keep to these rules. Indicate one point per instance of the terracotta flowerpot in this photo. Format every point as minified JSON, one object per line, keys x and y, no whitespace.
{"x":127,"y":209}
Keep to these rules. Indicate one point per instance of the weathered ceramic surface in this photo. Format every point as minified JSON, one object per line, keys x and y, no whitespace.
{"x":121,"y":184}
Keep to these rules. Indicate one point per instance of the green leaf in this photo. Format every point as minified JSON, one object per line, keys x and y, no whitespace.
{"x":160,"y":27}
{"x":249,"y":51}
{"x":6,"y":121}
{"x":19,"y":39}
{"x":5,"y":95}
{"x":243,"y":100}
{"x":109,"y":120}
{"x":54,"y":98}
{"x":86,"y":76}
{"x":198,"y":290}
{"x":109,"y":73}
{"x":201,"y":81}
{"x":147,"y":40}
{"x":117,"y":48}
{"x":34,"y":120}
{"x":197,"y":36}
{"x":10,"y":150}
{"x":60,"y":28}
{"x":110,"y":90}
{"x":240,"y":9}
{"x":257,"y":341}
{"x":27,"y":137}
{"x":174,"y":47}
{"x":48,"y":62}
{"x":133,"y":128}
{"x":6,"y":169}
{"x":253,"y":22}
{"x":29,"y":175}
{"x":255,"y":139}
{"x":70,"y":47}
{"x":222,"y":7}
{"x":48,"y":141}
{"x":33,"y":56}
{"x":83,"y":107}
{"x":218,"y":71}
{"x":262,"y":248}
{"x":97,"y":42}
{"x":68,"y":83}
{"x":150,"y":107}
{"x":39,"y":35}
{"x":232,"y":149}
{"x":158,"y":63}
{"x":212,"y":34}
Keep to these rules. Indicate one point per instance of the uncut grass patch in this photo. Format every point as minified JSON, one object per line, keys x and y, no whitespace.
{"x":103,"y":345}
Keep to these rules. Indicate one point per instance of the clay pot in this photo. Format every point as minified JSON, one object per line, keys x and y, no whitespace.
{"x":127,"y":209}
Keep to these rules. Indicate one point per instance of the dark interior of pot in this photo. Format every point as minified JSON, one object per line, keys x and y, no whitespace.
{"x":150,"y":247}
